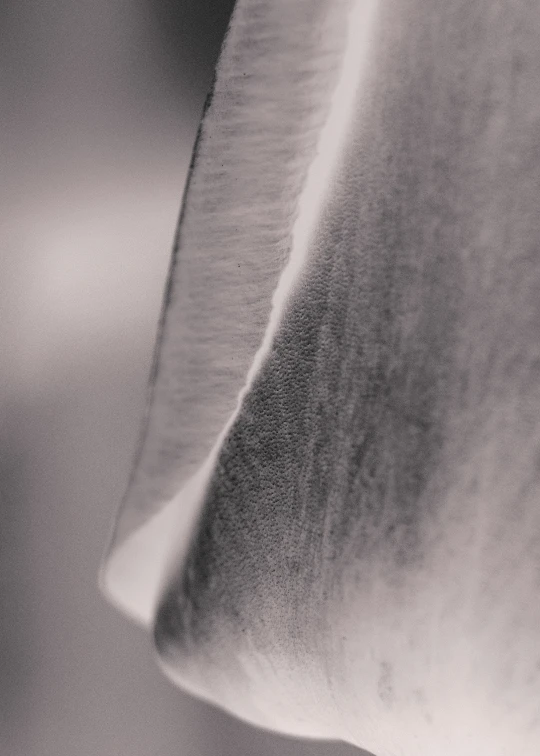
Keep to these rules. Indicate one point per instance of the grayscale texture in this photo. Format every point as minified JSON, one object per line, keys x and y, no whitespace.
{"x":99,"y":116}
{"x":269,"y":100}
{"x":367,"y":561}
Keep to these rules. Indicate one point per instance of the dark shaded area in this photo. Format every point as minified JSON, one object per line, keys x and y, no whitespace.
{"x":191,"y":33}
{"x":18,"y":652}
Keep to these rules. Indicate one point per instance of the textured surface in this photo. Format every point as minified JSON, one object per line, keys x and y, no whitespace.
{"x":96,"y":139}
{"x":257,"y":139}
{"x":272,"y":94}
{"x":367,"y":564}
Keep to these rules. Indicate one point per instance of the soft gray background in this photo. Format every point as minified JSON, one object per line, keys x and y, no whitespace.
{"x":100,"y":104}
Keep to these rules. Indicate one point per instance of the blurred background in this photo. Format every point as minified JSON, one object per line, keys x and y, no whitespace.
{"x":101,"y":101}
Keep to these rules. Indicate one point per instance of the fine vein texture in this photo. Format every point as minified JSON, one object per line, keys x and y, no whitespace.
{"x":275,"y":80}
{"x":364,"y":563}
